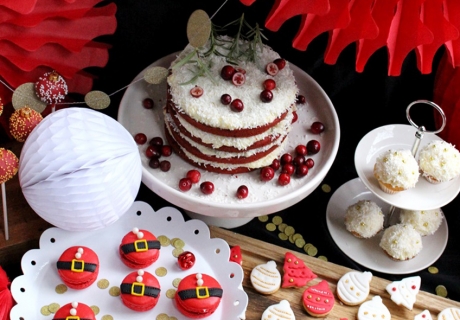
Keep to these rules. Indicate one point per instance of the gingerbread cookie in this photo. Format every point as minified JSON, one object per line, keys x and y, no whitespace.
{"x":296,"y":273}
{"x":266,"y":278}
{"x":373,"y":309}
{"x":318,"y":300}
{"x":404,"y":292}
{"x":282,"y":310}
{"x":353,"y":287}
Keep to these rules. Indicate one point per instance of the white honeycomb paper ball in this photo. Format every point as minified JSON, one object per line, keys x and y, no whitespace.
{"x":80,"y":169}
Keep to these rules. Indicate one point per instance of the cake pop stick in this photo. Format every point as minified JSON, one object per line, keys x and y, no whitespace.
{"x":9,"y":164}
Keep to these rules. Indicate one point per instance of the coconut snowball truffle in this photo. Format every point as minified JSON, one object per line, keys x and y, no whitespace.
{"x":396,"y":170}
{"x":364,"y":219}
{"x":426,"y":222}
{"x":401,"y":242}
{"x":439,"y":161}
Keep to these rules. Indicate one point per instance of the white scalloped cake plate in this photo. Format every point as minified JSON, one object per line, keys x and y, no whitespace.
{"x":264,"y":197}
{"x":36,"y":287}
{"x":424,"y":196}
{"x":367,"y":252}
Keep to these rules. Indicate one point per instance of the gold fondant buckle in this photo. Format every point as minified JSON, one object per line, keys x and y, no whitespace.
{"x":144,"y":246}
{"x":137,"y":285}
{"x":72,"y":318}
{"x":205,"y":295}
{"x":77,"y":266}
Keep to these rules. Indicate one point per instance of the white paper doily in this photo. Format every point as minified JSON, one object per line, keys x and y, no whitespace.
{"x":36,"y":287}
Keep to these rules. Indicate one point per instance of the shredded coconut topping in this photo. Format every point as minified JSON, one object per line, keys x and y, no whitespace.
{"x":401,"y":241}
{"x":426,"y":222}
{"x":397,"y":168}
{"x":440,"y":160}
{"x":364,"y":218}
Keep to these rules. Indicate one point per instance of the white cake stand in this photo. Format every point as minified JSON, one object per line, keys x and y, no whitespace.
{"x":223,"y":208}
{"x":424,"y":196}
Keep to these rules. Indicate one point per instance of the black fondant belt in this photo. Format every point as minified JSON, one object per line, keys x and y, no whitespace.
{"x":200,"y":293}
{"x":76,"y":266}
{"x":140,"y":246}
{"x":139,"y":289}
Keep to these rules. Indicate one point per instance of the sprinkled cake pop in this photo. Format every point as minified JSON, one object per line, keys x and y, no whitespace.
{"x":51,"y":88}
{"x":1,"y":106}
{"x":9,"y":164}
{"x":23,"y":121}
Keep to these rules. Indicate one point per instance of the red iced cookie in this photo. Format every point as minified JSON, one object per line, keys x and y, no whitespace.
{"x":139,"y":249}
{"x":140,"y":290}
{"x":78,"y":267}
{"x":198,"y":295}
{"x":74,"y":310}
{"x":235,"y":255}
{"x":318,"y":300}
{"x":296,"y":273}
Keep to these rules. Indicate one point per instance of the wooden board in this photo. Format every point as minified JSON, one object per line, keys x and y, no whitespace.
{"x":257,"y":252}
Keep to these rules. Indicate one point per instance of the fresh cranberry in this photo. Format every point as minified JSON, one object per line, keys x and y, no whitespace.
{"x":266,"y":95}
{"x":267,"y":173}
{"x":284,"y":179}
{"x":300,"y":99}
{"x":147,"y":103}
{"x":165,"y":165}
{"x":239,"y":69}
{"x":310,"y":163}
{"x":302,"y":170}
{"x":275,"y":164}
{"x":196,"y":91}
{"x":154,"y":163}
{"x":186,"y":260}
{"x":242,"y":192}
{"x":156,"y":141}
{"x":140,"y":138}
{"x":166,"y":151}
{"x":152,"y":151}
{"x":194,"y":175}
{"x":207,"y":187}
{"x":280,"y":63}
{"x":288,"y":168}
{"x":226,"y":99}
{"x":185,"y":184}
{"x":269,"y":84}
{"x":301,"y":150}
{"x":317,"y":127}
{"x":238,"y":79}
{"x":237,"y":105}
{"x":227,"y":72}
{"x":313,"y":147}
{"x":286,"y":158}
{"x":298,"y":160}
{"x":271,"y":68}
{"x":295,"y":116}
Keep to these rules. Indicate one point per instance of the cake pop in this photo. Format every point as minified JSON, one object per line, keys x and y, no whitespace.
{"x":23,"y":121}
{"x":1,"y":106}
{"x":9,"y":164}
{"x":51,"y":88}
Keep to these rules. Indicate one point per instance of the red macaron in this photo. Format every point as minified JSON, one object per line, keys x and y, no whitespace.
{"x":139,"y":249}
{"x":140,"y":290}
{"x":75,"y":310}
{"x":198,"y":295}
{"x":78,"y":267}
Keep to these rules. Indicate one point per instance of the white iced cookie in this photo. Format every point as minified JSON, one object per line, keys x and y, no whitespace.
{"x":266,"y":278}
{"x":281,"y":310}
{"x":373,"y":309}
{"x":426,"y":222}
{"x":405,"y":292}
{"x":424,"y":315}
{"x":353,"y":287}
{"x":449,"y":314}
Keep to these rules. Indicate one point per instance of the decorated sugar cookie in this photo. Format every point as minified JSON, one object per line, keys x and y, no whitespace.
{"x":424,"y":315}
{"x":404,"y":292}
{"x":353,"y":287}
{"x":281,"y":310}
{"x":373,"y":309}
{"x":266,"y":278}
{"x":235,"y":255}
{"x":296,"y":273}
{"x":449,"y":314}
{"x":318,"y":300}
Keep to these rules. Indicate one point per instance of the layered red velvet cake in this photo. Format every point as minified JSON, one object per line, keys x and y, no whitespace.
{"x":229,"y":117}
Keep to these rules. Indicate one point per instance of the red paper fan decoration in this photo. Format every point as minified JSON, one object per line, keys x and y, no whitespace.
{"x":399,"y":25}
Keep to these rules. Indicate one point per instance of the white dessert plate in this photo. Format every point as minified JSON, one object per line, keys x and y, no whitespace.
{"x":367,"y":252}
{"x":35,"y":289}
{"x":424,"y":196}
{"x":264,"y":197}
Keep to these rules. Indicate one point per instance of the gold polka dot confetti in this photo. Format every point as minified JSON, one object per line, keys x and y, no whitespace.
{"x":45,"y":311}
{"x":103,"y":284}
{"x":198,"y":28}
{"x":282,"y":227}
{"x":156,"y":75}
{"x":282,"y":236}
{"x":277,"y":220}
{"x":322,"y":258}
{"x":24,"y":95}
{"x":270,"y":226}
{"x":289,"y":230}
{"x":177,"y":251}
{"x":176,"y":282}
{"x":326,"y":188}
{"x":173,"y":318}
{"x":263,"y":218}
{"x":114,"y":291}
{"x":97,"y":100}
{"x":170,"y":293}
{"x":162,"y":316}
{"x":178,"y":243}
{"x":312,"y":251}
{"x":95,"y":309}
{"x":300,"y":242}
{"x":161,"y":271}
{"x":164,"y":241}
{"x":60,"y":288}
{"x":441,"y":291}
{"x":433,"y":270}
{"x":107,"y":317}
{"x":53,"y":307}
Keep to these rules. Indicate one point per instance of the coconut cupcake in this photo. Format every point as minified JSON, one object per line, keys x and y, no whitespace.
{"x":401,"y":242}
{"x":364,"y":219}
{"x":396,"y":170}
{"x":426,"y":222}
{"x":439,"y":161}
